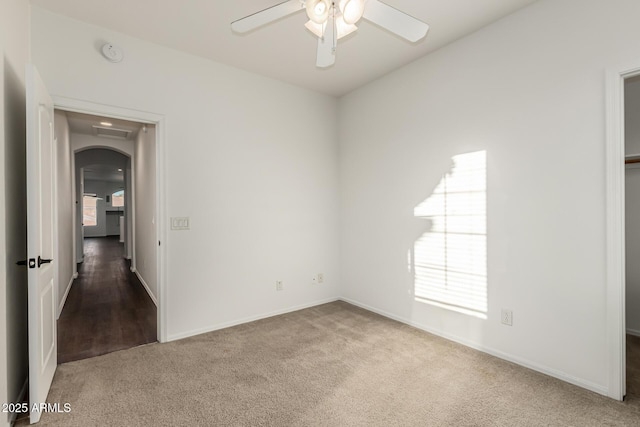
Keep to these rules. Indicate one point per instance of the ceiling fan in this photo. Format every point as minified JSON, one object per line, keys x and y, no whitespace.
{"x":330,"y":20}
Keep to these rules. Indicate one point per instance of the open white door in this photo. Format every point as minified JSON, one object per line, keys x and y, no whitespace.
{"x":43,"y":356}
{"x":81,"y":216}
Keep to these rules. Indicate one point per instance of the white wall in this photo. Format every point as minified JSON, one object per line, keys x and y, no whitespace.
{"x":146,"y":238}
{"x":81,"y":142}
{"x":14,"y":54}
{"x":251,"y":161}
{"x":632,"y":205}
{"x":128,"y":204}
{"x":66,"y":203}
{"x":529,"y":90}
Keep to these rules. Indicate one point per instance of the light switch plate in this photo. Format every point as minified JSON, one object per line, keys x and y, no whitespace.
{"x":180,"y":223}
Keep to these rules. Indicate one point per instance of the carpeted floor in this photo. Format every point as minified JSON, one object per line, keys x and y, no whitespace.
{"x":331,"y":365}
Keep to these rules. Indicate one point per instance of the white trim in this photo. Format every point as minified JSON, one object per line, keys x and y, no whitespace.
{"x":162,"y":229}
{"x":144,"y":283}
{"x":103,"y":146}
{"x":615,"y":229}
{"x":597,"y":388}
{"x":615,"y":235}
{"x":74,"y":198}
{"x":78,"y":229}
{"x":19,"y":399}
{"x":224,"y":325}
{"x":132,"y":209}
{"x":87,"y":107}
{"x":56,"y":223}
{"x":633,"y":332}
{"x":66,"y":294}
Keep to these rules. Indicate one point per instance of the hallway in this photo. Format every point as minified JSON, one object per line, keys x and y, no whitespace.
{"x":107,"y":308}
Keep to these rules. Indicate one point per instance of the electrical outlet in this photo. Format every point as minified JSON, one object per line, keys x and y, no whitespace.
{"x":320,"y":277}
{"x":279,"y":286}
{"x":507,"y":317}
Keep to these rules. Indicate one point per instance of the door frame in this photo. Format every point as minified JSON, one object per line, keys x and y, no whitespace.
{"x":615,"y":228}
{"x":87,"y":107}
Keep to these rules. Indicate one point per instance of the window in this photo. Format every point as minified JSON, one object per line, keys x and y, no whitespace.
{"x":450,"y":259}
{"x":117,"y":199}
{"x":89,"y":211}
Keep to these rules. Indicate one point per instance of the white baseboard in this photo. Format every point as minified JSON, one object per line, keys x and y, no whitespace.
{"x":225,"y":325}
{"x":19,"y":399}
{"x":66,"y":294}
{"x":633,"y":332}
{"x":597,"y":388}
{"x":153,"y":297}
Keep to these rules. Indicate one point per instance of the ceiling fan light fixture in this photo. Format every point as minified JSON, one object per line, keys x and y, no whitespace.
{"x":318,"y":10}
{"x":316,"y":29}
{"x":344,"y":29}
{"x":330,"y":20}
{"x":352,"y":10}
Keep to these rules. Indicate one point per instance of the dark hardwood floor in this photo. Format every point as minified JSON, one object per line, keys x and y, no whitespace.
{"x":107,"y":308}
{"x":633,"y":367}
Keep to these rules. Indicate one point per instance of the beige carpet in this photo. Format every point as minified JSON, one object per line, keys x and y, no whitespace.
{"x":331,"y":365}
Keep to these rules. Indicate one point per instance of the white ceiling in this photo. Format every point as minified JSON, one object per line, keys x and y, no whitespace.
{"x":285,"y":50}
{"x":84,"y":124}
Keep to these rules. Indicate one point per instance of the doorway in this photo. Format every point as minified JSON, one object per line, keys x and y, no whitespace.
{"x":616,"y":253}
{"x":632,"y":232}
{"x":110,"y":302}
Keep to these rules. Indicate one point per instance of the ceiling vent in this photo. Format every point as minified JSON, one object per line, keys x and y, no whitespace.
{"x":111,"y":132}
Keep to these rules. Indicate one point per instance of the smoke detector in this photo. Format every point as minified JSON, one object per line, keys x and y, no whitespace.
{"x":112,"y":53}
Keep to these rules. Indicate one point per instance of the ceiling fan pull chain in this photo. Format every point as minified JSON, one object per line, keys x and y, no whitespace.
{"x":335,"y":29}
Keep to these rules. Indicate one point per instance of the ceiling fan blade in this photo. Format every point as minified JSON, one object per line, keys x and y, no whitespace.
{"x":393,"y":20}
{"x":266,"y":16}
{"x":327,"y":46}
